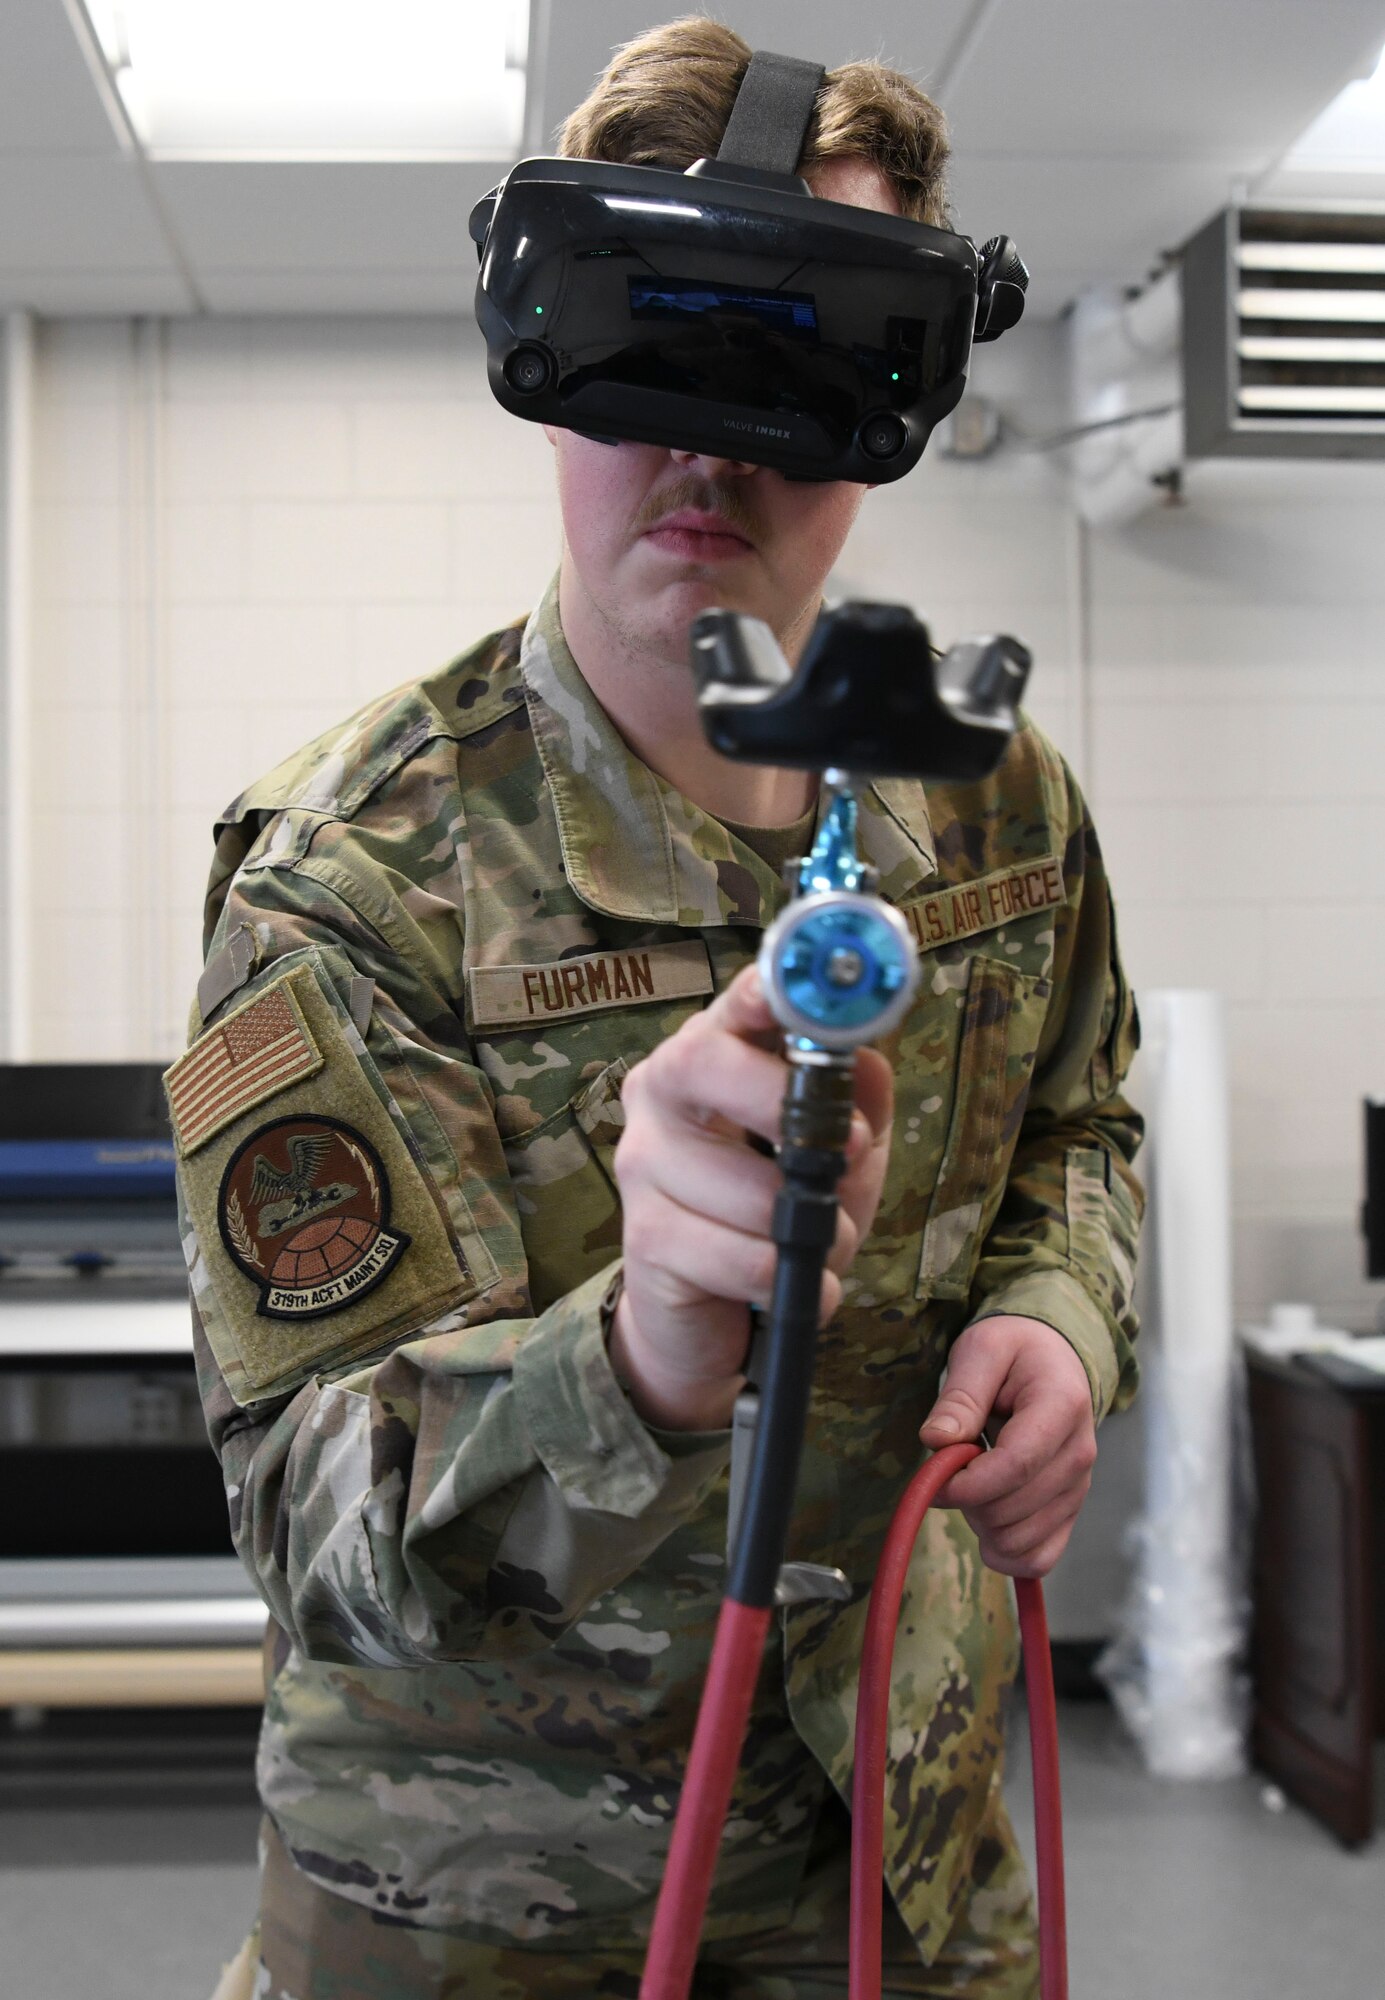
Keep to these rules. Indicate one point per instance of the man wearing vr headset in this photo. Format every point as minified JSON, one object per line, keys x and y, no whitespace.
{"x":473,"y":1133}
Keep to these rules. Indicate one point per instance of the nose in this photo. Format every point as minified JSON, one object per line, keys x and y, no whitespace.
{"x":711,"y":467}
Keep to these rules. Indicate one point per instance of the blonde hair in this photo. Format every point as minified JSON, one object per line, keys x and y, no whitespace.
{"x":664,"y":99}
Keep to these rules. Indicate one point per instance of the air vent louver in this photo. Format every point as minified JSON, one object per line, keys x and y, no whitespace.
{"x":1284,"y":334}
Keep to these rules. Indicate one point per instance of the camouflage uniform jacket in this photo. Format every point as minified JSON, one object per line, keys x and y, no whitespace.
{"x":440,"y":937}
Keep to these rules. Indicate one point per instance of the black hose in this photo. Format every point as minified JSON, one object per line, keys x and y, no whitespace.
{"x":817,"y":1122}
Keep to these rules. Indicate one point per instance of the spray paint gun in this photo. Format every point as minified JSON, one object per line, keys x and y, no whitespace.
{"x":839,"y":968}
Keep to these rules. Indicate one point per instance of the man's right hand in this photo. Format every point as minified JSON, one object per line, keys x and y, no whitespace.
{"x":698,"y":1198}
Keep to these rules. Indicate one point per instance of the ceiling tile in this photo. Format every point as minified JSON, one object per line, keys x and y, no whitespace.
{"x":88,"y":293}
{"x":62,"y":211}
{"x":1096,"y":132}
{"x":915,"y":39}
{"x":299,"y":216}
{"x":1233,"y":79}
{"x":1076,"y":222}
{"x":911,"y":38}
{"x":48,"y":100}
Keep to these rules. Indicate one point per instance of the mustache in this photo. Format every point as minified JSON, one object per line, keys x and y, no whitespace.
{"x":728,"y":502}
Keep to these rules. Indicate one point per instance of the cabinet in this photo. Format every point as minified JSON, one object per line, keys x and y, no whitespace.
{"x":1318,"y":1647}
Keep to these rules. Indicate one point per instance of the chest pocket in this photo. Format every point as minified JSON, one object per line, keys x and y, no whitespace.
{"x":1000,"y":1024}
{"x":563,"y":1178}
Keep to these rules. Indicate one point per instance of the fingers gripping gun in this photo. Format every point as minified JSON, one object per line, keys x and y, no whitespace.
{"x":839,"y":967}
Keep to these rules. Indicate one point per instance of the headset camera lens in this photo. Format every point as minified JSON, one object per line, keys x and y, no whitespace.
{"x":882,"y":436}
{"x":529,"y":370}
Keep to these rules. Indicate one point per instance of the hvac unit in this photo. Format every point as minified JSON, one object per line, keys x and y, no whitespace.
{"x":1284,"y":334}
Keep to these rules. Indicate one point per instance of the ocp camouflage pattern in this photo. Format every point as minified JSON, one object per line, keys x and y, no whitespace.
{"x":309,"y":1943}
{"x":493,"y":1588}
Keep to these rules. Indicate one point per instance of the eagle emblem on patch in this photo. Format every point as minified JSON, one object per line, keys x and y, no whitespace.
{"x":304,"y":1212}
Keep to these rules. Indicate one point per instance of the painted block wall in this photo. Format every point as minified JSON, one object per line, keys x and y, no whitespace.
{"x":1238,"y":769}
{"x":246,"y":528}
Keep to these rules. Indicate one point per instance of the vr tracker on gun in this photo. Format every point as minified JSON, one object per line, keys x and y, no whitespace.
{"x":869,"y":695}
{"x":727,"y":310}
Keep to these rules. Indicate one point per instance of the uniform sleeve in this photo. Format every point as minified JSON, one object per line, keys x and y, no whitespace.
{"x":1063,"y":1244}
{"x":430,"y":1472}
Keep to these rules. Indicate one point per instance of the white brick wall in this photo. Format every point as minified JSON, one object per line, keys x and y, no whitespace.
{"x":1238,"y":754}
{"x":326,"y":510}
{"x":256,"y":525}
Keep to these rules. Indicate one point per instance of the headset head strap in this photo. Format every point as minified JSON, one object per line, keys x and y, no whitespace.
{"x":770,"y":115}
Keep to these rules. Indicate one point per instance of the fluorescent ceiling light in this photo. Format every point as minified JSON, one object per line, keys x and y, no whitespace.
{"x":354,"y":79}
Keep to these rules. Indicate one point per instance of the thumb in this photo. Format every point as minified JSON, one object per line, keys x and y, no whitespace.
{"x":975,"y":1375}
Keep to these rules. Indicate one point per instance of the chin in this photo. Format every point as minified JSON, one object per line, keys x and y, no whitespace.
{"x":699,"y":586}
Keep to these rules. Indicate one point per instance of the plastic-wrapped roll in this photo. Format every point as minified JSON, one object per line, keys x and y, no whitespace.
{"x":1173,"y":1670}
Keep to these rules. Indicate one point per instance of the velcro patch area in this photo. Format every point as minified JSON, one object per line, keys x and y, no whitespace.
{"x":321,"y":1233}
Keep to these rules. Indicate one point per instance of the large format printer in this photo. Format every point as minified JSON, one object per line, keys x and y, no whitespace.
{"x":118,"y":1584}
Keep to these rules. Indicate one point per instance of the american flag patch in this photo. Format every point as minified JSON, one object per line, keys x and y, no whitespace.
{"x":255,"y":1051}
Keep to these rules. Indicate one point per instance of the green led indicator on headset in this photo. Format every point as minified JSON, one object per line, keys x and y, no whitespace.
{"x":894,"y":376}
{"x":539,"y":310}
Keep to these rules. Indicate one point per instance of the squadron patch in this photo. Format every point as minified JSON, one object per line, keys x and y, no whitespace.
{"x":304,"y":1212}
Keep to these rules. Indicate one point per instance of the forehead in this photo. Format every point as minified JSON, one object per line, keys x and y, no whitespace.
{"x":860,"y":183}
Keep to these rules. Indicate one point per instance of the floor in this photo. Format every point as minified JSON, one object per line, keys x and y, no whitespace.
{"x":1203,"y":1892}
{"x":127,"y":1859}
{"x":127,"y":1873}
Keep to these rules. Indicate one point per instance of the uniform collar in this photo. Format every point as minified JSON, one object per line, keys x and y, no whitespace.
{"x":634,"y":847}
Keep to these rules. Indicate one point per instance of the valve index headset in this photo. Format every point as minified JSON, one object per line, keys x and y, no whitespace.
{"x":727,"y":310}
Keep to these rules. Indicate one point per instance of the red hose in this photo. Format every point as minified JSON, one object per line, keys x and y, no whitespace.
{"x":1048,"y":1798}
{"x":716,"y":1752}
{"x":872,"y":1737}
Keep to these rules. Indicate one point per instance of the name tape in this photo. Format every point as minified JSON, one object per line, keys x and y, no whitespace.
{"x":971,"y":907}
{"x":514,"y":996}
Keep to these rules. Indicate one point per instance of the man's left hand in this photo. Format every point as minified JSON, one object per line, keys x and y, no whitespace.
{"x":1022,"y":1497}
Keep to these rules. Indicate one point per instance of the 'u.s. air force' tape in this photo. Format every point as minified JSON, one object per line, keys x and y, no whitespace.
{"x":949,"y":915}
{"x":515,"y":996}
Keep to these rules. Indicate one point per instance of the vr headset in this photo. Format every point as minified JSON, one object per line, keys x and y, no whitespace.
{"x":727,"y":310}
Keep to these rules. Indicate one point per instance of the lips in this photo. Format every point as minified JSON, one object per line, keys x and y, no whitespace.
{"x":691,"y":532}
